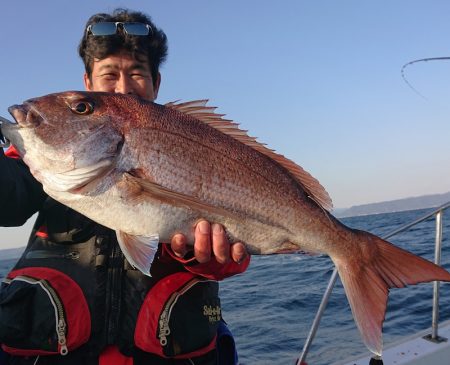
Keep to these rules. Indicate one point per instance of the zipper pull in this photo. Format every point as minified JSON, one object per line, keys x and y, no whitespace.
{"x":164,"y":329}
{"x":62,"y":337}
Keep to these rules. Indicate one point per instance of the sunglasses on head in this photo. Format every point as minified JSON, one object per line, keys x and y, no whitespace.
{"x":110,"y":28}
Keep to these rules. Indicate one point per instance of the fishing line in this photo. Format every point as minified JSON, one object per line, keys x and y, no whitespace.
{"x":417,"y":61}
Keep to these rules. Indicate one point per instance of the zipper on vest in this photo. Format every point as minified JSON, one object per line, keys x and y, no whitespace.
{"x":164,"y":329}
{"x":61,"y":324}
{"x":115,"y":288}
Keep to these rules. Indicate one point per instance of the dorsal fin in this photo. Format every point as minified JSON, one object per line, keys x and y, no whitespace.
{"x":199,"y":110}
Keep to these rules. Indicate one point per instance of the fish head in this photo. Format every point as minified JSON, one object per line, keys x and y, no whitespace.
{"x":67,"y":139}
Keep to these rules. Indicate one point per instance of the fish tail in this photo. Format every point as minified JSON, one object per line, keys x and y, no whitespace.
{"x":368,"y":277}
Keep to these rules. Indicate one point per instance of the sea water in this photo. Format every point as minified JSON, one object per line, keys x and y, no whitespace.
{"x":270,"y":308}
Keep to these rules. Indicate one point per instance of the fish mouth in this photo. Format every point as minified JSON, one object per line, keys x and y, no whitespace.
{"x":25,"y":115}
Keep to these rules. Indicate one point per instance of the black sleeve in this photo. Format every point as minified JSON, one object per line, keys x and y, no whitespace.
{"x":21,"y":195}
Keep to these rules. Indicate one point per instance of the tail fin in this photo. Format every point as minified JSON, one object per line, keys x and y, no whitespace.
{"x":368,"y":277}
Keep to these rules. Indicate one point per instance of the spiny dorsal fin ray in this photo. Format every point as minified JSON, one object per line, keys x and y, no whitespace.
{"x":199,"y":110}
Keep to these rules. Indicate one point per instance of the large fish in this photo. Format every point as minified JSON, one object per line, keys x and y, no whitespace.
{"x":149,"y":171}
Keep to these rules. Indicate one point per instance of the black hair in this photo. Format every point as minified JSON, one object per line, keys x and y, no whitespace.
{"x":153,"y":46}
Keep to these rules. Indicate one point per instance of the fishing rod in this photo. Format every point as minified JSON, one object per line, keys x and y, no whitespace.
{"x":417,"y":61}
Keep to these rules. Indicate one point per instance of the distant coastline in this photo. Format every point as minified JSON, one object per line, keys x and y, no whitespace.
{"x":399,"y":205}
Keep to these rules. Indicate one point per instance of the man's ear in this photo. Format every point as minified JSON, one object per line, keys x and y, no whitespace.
{"x":87,"y":82}
{"x":156,"y":85}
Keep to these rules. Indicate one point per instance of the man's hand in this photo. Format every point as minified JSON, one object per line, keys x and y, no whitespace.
{"x":210,"y":240}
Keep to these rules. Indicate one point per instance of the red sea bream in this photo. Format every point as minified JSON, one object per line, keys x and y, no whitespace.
{"x":149,"y":171}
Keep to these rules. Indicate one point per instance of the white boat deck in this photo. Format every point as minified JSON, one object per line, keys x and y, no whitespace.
{"x":414,"y":350}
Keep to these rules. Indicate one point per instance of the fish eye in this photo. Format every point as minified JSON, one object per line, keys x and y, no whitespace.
{"x":82,"y":107}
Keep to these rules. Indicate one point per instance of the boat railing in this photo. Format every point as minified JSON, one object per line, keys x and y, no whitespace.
{"x":438,"y":213}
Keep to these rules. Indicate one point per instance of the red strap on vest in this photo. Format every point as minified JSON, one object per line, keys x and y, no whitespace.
{"x":42,"y":232}
{"x":11,"y":152}
{"x":112,"y":355}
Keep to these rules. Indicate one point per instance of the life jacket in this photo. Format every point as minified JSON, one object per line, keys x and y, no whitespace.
{"x":72,"y":294}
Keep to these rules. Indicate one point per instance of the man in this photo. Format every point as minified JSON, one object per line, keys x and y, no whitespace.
{"x":73,"y":298}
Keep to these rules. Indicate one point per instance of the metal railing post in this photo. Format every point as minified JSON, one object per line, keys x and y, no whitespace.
{"x":315,"y":325}
{"x":437,"y":261}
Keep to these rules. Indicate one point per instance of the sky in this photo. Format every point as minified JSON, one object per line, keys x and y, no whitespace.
{"x":318,"y":81}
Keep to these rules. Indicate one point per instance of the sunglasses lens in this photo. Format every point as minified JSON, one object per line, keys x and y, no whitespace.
{"x":104,"y":28}
{"x":136,"y":28}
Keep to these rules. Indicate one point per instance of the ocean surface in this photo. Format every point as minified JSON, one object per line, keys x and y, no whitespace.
{"x":270,"y":308}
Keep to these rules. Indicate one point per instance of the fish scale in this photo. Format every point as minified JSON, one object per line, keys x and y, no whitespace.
{"x":149,"y":171}
{"x":218,"y":185}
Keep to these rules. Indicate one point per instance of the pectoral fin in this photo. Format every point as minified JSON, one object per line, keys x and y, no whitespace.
{"x":138,"y":250}
{"x":139,"y":189}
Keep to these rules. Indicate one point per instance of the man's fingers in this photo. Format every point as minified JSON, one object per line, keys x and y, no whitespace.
{"x":210,"y":239}
{"x":202,"y":243}
{"x":238,"y":252}
{"x":178,"y":244}
{"x":220,"y":245}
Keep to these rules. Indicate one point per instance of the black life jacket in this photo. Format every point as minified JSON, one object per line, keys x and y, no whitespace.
{"x":72,"y":293}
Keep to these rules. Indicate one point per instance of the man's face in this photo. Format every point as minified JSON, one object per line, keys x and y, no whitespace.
{"x":122,"y":74}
